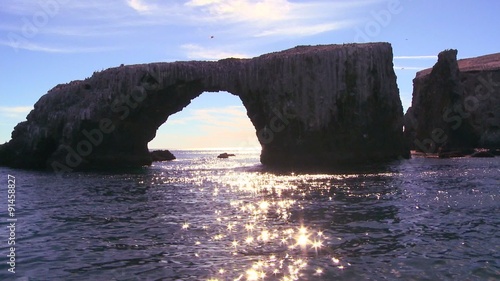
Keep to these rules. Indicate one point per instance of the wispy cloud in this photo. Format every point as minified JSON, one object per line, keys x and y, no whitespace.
{"x":217,"y":116}
{"x":15,"y":111}
{"x":302,"y":30}
{"x":277,"y":17}
{"x":247,"y":22}
{"x":194,"y":51}
{"x":227,"y":117}
{"x":240,"y":22}
{"x":58,"y":26}
{"x":243,"y":10}
{"x":140,"y":6}
{"x":210,"y":127}
{"x":36,"y":47}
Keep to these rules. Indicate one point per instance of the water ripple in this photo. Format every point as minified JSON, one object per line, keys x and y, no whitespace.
{"x":203,"y":218}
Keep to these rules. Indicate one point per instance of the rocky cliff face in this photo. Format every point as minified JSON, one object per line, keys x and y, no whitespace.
{"x":456,"y":105}
{"x":309,"y":105}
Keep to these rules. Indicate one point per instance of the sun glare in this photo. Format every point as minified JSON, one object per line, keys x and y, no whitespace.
{"x":258,"y":223}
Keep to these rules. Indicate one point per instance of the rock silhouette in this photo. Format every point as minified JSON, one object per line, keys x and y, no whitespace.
{"x":161,"y":155}
{"x":456,"y":105}
{"x":225,"y":155}
{"x":310,"y":105}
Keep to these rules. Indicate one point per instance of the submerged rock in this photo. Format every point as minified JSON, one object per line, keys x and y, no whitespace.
{"x":456,"y":105}
{"x":310,"y":105}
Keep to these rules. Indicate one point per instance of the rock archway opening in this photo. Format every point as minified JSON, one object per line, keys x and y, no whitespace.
{"x":213,"y":120}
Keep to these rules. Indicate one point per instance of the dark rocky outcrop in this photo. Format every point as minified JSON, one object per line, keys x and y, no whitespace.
{"x":456,"y":105}
{"x":483,"y":154}
{"x":450,"y":154}
{"x":161,"y":155}
{"x":309,"y":105}
{"x":225,"y":155}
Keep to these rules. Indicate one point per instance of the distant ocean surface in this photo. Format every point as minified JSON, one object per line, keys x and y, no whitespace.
{"x":203,"y":218}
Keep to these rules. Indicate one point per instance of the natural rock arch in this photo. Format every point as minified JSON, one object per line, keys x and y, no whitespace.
{"x":309,"y":105}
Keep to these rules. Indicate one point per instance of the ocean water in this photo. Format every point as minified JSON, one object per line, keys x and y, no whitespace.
{"x":203,"y":218}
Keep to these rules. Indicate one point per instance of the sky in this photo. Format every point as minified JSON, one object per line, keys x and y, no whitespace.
{"x":47,"y":42}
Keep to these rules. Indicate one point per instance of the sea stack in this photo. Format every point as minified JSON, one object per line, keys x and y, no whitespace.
{"x":456,"y":105}
{"x":310,"y":105}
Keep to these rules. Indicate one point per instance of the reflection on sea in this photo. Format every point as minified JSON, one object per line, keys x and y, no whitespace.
{"x":203,"y":218}
{"x":255,"y":224}
{"x":273,"y":224}
{"x":284,"y":225}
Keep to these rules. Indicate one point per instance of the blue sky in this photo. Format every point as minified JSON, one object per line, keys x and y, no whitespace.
{"x":47,"y":42}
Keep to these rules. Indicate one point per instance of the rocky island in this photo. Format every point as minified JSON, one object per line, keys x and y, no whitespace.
{"x":161,"y":155}
{"x":456,"y":106}
{"x":310,"y":105}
